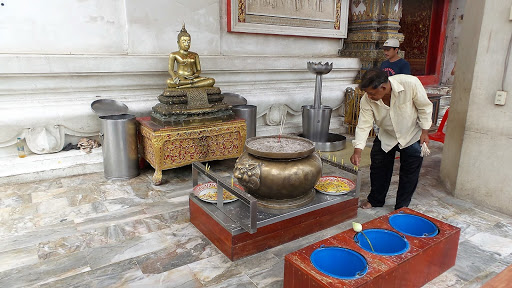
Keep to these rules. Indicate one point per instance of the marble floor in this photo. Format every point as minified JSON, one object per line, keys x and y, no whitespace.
{"x":86,"y":231}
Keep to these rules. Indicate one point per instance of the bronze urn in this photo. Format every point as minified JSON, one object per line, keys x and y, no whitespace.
{"x":279,"y":171}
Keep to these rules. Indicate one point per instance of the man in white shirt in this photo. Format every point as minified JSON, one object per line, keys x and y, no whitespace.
{"x":400,"y":107}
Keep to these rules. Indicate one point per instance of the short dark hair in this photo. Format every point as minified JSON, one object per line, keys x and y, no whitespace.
{"x":373,"y":78}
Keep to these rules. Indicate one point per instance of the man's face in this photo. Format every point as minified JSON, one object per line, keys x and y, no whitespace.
{"x":390,"y":52}
{"x":376,"y":94}
{"x":184,"y":43}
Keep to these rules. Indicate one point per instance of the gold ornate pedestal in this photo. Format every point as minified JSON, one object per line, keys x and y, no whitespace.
{"x":171,"y":147}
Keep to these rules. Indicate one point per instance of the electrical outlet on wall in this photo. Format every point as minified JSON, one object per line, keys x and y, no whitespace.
{"x":500,"y":97}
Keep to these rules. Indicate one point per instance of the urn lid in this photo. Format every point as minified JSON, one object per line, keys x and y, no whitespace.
{"x":275,"y":147}
{"x":106,"y":107}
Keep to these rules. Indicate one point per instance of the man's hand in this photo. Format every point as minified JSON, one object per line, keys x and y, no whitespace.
{"x":424,"y":137}
{"x":176,"y":80}
{"x":356,"y":157}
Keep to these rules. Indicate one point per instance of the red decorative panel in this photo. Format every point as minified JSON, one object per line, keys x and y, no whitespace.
{"x":415,"y":25}
{"x":427,"y":69}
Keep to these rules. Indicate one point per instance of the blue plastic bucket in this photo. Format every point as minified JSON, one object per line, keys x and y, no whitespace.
{"x":383,"y":242}
{"x":339,"y":262}
{"x":413,"y":225}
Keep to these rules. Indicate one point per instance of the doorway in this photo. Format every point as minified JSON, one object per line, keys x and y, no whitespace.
{"x":423,"y":24}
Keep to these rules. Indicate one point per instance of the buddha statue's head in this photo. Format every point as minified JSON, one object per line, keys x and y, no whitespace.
{"x":184,"y":39}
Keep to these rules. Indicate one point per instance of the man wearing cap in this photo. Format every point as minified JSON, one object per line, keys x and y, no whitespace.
{"x":400,"y":107}
{"x":394,"y":64}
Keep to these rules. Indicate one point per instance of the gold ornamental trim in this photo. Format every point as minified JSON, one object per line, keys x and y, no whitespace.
{"x":157,"y":142}
{"x":388,"y":9}
{"x":241,"y":11}
{"x":373,"y":36}
{"x":338,"y":15}
{"x":362,"y":15}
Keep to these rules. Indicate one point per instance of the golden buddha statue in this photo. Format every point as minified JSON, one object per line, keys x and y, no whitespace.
{"x":189,"y":67}
{"x":189,"y":99}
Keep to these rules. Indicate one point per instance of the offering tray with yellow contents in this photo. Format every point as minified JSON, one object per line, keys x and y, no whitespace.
{"x":208,"y":193}
{"x":334,"y":185}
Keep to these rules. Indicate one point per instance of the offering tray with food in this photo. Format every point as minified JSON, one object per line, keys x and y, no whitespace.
{"x":334,"y":185}
{"x":208,"y":193}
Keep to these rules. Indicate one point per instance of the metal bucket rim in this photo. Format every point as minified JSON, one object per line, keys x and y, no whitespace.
{"x":244,"y":106}
{"x":113,"y":117}
{"x":312,"y":107}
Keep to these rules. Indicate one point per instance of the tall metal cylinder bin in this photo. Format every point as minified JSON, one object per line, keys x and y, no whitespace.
{"x":248,"y":113}
{"x":120,"y":154}
{"x":315,"y":122}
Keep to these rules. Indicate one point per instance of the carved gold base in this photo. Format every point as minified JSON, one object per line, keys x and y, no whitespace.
{"x":172,"y":147}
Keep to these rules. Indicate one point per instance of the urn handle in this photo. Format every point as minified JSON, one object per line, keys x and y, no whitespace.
{"x":248,"y":173}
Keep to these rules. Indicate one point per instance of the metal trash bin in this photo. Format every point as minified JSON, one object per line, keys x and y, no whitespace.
{"x":118,"y":135}
{"x":315,"y":122}
{"x":248,"y":113}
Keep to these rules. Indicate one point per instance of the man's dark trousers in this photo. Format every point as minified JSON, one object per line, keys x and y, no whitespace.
{"x":381,"y":171}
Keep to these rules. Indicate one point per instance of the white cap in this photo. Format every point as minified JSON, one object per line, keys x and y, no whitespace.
{"x":392,"y":42}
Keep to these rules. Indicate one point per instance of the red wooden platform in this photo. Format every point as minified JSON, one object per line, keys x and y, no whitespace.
{"x":272,"y":235}
{"x":502,"y":280}
{"x":426,"y":259}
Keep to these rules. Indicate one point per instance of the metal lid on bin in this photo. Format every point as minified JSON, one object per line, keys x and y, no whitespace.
{"x":234,"y":99}
{"x":106,"y":107}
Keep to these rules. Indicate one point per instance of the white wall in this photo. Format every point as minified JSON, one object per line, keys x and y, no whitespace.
{"x":62,"y":27}
{"x":153,"y":25}
{"x":477,"y":159}
{"x":137,"y":27}
{"x":56,"y":57}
